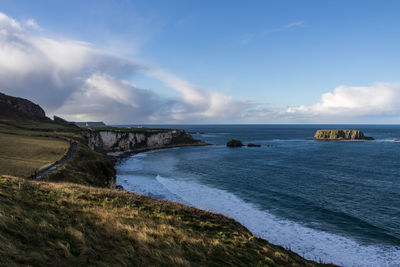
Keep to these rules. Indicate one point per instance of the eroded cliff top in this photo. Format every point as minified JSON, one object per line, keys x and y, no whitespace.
{"x":129,"y":129}
{"x":335,"y":134}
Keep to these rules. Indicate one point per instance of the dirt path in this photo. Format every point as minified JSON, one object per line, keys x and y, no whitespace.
{"x":70,"y":154}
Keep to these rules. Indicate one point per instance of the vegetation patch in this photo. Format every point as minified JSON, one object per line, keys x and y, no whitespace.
{"x":62,"y":224}
{"x":27,"y":145}
{"x":86,"y":167}
{"x":21,"y":155}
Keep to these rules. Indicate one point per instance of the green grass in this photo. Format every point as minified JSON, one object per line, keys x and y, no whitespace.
{"x":21,"y":155}
{"x":28,"y":145}
{"x":45,"y":125}
{"x":86,"y":167}
{"x":60,"y":224}
{"x":39,"y":129}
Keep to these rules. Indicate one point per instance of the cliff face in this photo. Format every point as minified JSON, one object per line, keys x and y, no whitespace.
{"x":340,"y":135}
{"x":131,"y":141}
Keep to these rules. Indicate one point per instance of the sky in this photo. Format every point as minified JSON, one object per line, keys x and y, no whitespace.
{"x":199,"y":62}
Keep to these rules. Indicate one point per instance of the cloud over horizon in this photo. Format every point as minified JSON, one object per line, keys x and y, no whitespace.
{"x":379,"y":99}
{"x":75,"y":80}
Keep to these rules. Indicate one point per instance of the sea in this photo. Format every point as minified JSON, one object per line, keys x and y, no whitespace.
{"x":329,"y":201}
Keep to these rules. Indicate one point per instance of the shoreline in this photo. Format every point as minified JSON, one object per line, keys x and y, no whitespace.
{"x":117,"y":156}
{"x":116,"y":160}
{"x":249,"y":225}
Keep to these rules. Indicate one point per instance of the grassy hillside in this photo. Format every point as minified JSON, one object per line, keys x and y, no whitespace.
{"x":26,"y":145}
{"x":86,"y":167}
{"x":61,"y":221}
{"x":22,"y":155}
{"x":61,"y":224}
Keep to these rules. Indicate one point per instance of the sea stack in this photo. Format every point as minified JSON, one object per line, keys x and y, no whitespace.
{"x":234,"y":143}
{"x":337,"y":135}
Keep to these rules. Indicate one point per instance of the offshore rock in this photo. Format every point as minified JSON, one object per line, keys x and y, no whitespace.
{"x":234,"y":143}
{"x":333,"y":135}
{"x":253,"y":145}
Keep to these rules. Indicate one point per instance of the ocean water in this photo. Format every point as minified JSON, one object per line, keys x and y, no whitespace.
{"x":332,"y":201}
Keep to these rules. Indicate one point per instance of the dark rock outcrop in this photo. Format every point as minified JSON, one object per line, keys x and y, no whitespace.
{"x":253,"y":145}
{"x":234,"y":143}
{"x":119,"y":187}
{"x":20,"y":107}
{"x":333,"y":135}
{"x":61,"y":121}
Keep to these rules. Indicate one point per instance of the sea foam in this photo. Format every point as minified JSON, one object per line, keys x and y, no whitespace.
{"x":307,"y":242}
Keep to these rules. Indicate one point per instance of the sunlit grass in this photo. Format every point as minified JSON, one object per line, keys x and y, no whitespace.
{"x":61,"y":224}
{"x":27,"y":145}
{"x":22,"y":155}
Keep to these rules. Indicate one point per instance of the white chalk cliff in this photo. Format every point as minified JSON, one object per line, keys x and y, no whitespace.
{"x":132,"y":141}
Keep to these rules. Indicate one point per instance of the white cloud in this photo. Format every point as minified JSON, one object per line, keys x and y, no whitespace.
{"x":31,"y":23}
{"x":75,"y":80}
{"x":8,"y":23}
{"x":107,"y":98}
{"x":200,"y":101}
{"x":78,"y":81}
{"x":380,"y":99}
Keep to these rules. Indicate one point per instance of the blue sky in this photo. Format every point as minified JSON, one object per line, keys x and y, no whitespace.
{"x":273,"y":61}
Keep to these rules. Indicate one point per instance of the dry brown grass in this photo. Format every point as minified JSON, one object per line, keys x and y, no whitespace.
{"x":21,"y":155}
{"x":58,"y":224}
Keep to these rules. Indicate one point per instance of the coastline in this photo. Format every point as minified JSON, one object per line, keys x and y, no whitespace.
{"x":116,"y":160}
{"x":116,"y":156}
{"x":195,"y":195}
{"x":74,"y":216}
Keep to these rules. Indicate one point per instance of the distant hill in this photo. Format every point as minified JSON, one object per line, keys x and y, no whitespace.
{"x":17,"y":110}
{"x":16,"y":106}
{"x":90,"y":123}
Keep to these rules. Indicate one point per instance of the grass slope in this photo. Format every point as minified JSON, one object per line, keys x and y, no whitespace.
{"x":21,"y":155}
{"x":60,"y":224}
{"x":26,"y":145}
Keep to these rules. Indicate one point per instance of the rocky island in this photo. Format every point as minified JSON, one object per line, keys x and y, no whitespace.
{"x":339,"y":135}
{"x":234,"y":143}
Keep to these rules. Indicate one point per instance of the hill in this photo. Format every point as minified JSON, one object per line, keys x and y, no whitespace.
{"x":72,"y":217}
{"x":64,"y":224}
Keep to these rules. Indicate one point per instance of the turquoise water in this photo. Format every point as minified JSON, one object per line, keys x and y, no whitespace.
{"x":332,"y":201}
